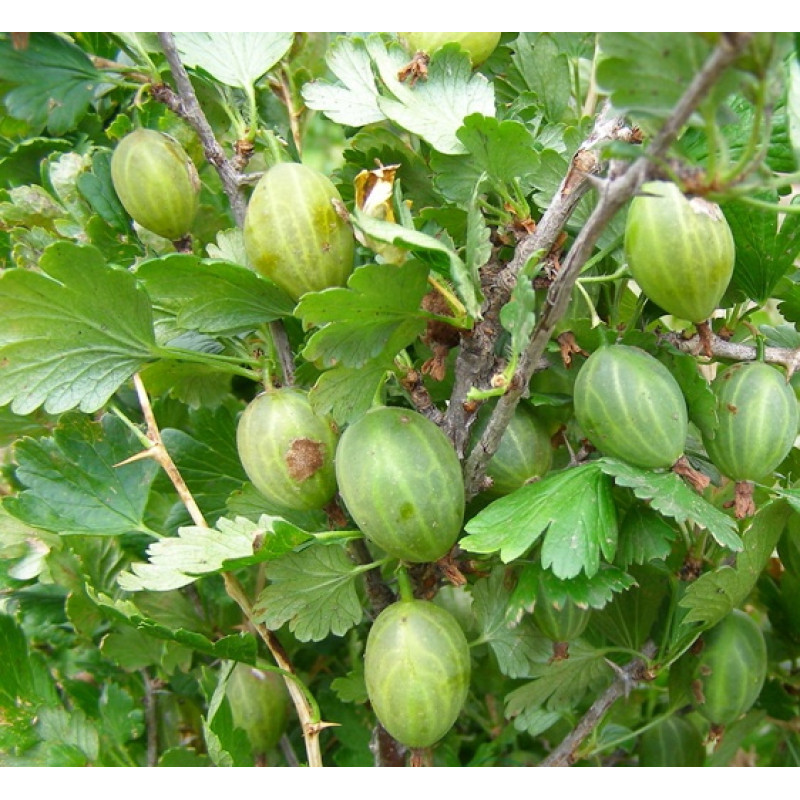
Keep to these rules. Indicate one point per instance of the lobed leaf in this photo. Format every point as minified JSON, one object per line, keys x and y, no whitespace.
{"x":72,"y":484}
{"x":314,"y":591}
{"x":573,"y":510}
{"x":72,"y":334}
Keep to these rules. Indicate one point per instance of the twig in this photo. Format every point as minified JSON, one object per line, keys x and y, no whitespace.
{"x":186,"y":105}
{"x":157,"y":451}
{"x":615,"y":192}
{"x":151,"y":719}
{"x":627,"y":677}
{"x":718,"y":347}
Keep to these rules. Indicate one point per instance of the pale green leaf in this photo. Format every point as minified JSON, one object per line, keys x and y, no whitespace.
{"x":354,"y":100}
{"x":434,"y":108}
{"x":197,"y":551}
{"x":71,"y":334}
{"x":237,"y":59}
{"x":314,"y":591}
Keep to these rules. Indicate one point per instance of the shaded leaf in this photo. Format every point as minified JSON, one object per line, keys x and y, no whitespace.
{"x":347,"y":393}
{"x":53,"y":82}
{"x":715,"y":594}
{"x":212,"y":297}
{"x":515,"y":645}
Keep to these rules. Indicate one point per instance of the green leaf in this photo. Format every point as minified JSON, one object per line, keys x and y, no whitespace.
{"x":545,"y":69}
{"x":212,"y":297}
{"x":793,"y":106}
{"x":518,"y":315}
{"x":516,"y":644}
{"x":314,"y":591}
{"x":628,"y":620}
{"x":72,"y":334}
{"x":236,"y":59}
{"x":435,"y":108}
{"x":53,"y":82}
{"x":239,"y":646}
{"x":198,"y":551}
{"x":68,"y":736}
{"x":668,"y":494}
{"x":208,"y":460}
{"x":574,"y":508}
{"x":98,"y":190}
{"x":644,"y":536}
{"x":442,"y":258}
{"x":561,"y":684}
{"x":503,"y":153}
{"x":715,"y":594}
{"x":355,"y":101}
{"x":71,"y":484}
{"x":764,"y":252}
{"x":377,"y":314}
{"x":586,"y":592}
{"x":347,"y":393}
{"x":648,"y":72}
{"x":197,"y":385}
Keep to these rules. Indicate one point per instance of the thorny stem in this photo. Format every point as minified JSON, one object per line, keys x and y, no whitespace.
{"x":615,"y":191}
{"x":186,"y":105}
{"x":311,"y":725}
{"x":626,"y":678}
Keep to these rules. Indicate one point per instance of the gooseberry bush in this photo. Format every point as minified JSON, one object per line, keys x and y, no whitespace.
{"x":399,"y":399}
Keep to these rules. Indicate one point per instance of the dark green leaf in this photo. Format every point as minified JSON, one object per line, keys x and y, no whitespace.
{"x":715,"y":594}
{"x":53,"y":82}
{"x":559,"y":685}
{"x":574,"y":508}
{"x":378,"y":313}
{"x":314,"y":591}
{"x":442,"y":258}
{"x":72,"y":334}
{"x":71,"y":484}
{"x":503,"y":152}
{"x":644,"y":536}
{"x":669,"y":495}
{"x":764,"y":253}
{"x":97,"y":188}
{"x":648,"y":72}
{"x":240,"y":646}
{"x":586,"y":592}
